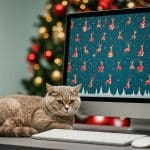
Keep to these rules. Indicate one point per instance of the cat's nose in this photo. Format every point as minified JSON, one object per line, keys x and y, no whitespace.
{"x":67,"y":107}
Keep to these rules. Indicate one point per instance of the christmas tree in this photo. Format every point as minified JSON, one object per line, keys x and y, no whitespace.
{"x":45,"y":55}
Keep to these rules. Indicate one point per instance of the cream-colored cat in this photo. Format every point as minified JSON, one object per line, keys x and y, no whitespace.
{"x":23,"y":115}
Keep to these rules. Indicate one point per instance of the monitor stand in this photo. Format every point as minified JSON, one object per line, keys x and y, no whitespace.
{"x":140,"y":125}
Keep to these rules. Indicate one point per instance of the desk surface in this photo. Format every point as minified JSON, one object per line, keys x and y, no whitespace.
{"x":32,"y":144}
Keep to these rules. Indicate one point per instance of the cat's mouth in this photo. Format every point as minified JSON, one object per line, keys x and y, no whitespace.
{"x":67,"y":113}
{"x":60,"y":113}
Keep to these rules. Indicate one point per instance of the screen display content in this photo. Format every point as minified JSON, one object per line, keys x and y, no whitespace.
{"x":109,"y":54}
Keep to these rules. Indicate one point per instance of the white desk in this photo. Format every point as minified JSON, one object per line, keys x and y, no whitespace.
{"x":32,"y":144}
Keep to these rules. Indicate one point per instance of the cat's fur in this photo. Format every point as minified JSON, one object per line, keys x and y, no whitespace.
{"x":24,"y":115}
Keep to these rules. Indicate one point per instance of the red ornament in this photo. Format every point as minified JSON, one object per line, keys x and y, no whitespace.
{"x":31,"y":57}
{"x":48,"y":54}
{"x":120,"y":122}
{"x":98,"y":120}
{"x":113,"y":7}
{"x":35,"y":47}
{"x":105,"y":4}
{"x":59,"y":9}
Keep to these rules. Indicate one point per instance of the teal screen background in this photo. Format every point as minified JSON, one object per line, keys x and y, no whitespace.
{"x":125,"y":70}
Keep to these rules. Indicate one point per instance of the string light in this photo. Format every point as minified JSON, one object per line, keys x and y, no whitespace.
{"x":131,"y":4}
{"x":42,"y":30}
{"x":59,"y":29}
{"x":48,"y":17}
{"x":36,"y":66}
{"x":46,"y":35}
{"x":54,"y":28}
{"x":58,"y":33}
{"x":61,"y":36}
{"x":82,"y":6}
{"x":58,"y":61}
{"x":64,"y":3}
{"x":59,"y":23}
{"x":85,"y":1}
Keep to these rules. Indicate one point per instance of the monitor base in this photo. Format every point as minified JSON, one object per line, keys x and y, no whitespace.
{"x":140,"y":124}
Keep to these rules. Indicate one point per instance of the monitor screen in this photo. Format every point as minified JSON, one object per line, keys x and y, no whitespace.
{"x":109,"y":53}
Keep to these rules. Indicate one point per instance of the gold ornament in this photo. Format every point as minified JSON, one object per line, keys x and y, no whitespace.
{"x":130,"y":4}
{"x":58,"y":61}
{"x":59,"y":24}
{"x":48,"y":17}
{"x":82,"y":6}
{"x":58,"y":33}
{"x":45,"y":35}
{"x":36,"y":66}
{"x":38,"y":81}
{"x":54,"y":28}
{"x":61,"y":36}
{"x":59,"y":29}
{"x":42,"y":30}
{"x":85,"y":1}
{"x":56,"y":75}
{"x":58,"y":37}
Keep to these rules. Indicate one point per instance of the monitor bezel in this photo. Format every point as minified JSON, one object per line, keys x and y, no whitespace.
{"x":65,"y":63}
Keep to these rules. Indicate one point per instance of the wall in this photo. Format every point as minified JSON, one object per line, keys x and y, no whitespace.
{"x":17,"y":18}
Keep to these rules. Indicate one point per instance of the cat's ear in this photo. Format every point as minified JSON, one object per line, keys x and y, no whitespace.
{"x":76,"y":89}
{"x":49,"y":88}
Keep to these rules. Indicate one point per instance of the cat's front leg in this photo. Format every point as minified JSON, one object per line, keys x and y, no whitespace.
{"x":61,"y":126}
{"x":41,"y":121}
{"x":14,"y":127}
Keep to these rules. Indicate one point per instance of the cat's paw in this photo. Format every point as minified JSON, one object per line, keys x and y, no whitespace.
{"x":61,"y":126}
{"x":29,"y":131}
{"x":24,"y":131}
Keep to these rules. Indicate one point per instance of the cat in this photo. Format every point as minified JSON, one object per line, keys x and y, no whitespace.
{"x":24,"y":115}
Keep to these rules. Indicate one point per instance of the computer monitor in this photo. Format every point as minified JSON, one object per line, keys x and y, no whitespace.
{"x":109,"y":53}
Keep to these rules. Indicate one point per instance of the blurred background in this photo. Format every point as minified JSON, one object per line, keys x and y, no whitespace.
{"x":32,"y":36}
{"x":17,"y":19}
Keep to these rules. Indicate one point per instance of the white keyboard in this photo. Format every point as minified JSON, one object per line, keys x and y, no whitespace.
{"x":106,"y":138}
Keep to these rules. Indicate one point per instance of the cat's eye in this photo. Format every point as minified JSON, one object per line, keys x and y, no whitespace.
{"x":72,"y":101}
{"x":60,"y":101}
